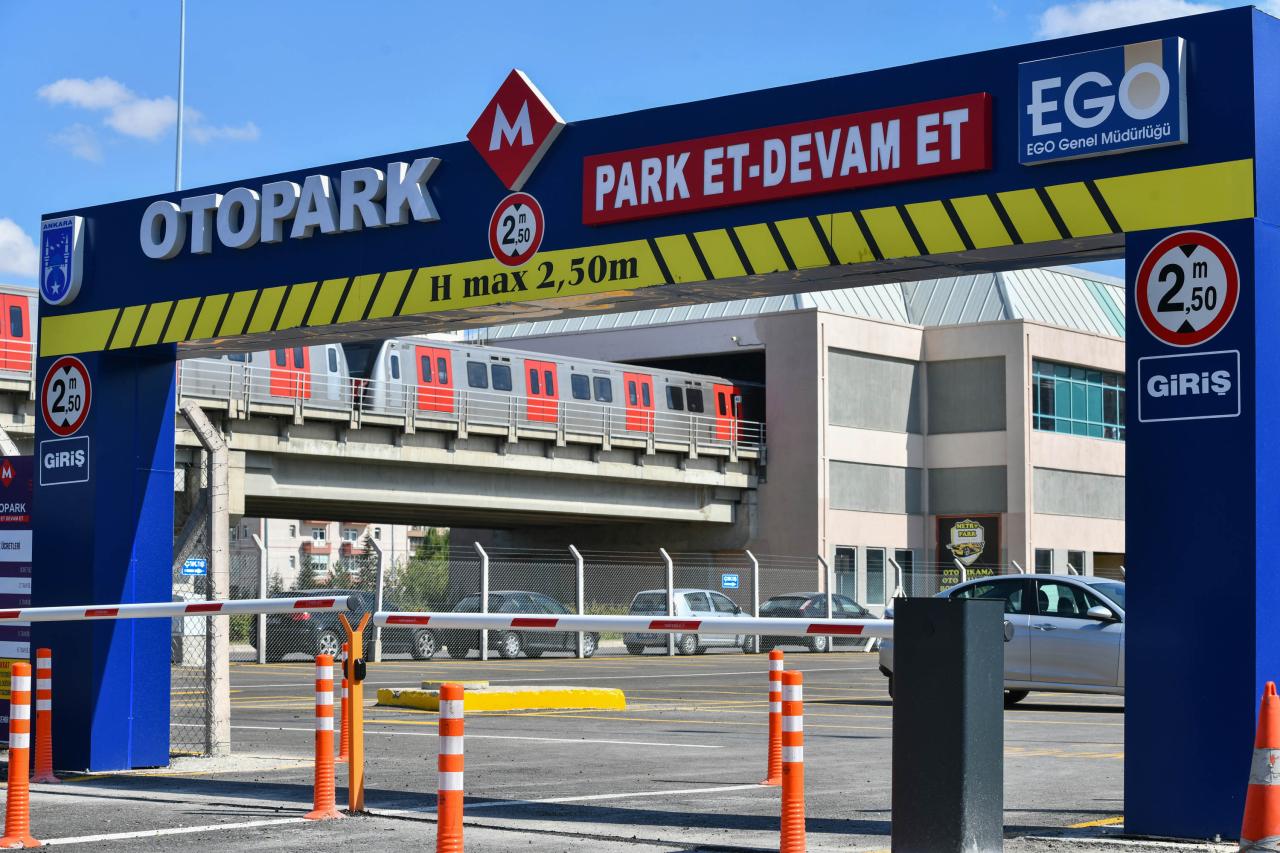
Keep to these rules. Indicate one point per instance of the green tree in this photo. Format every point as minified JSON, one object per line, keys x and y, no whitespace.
{"x":275,"y":584}
{"x":307,"y":574}
{"x":421,"y":582}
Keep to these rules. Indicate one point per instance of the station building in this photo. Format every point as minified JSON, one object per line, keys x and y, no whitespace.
{"x":906,"y":423}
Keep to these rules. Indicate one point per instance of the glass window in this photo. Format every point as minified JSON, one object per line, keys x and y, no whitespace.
{"x":477,"y":376}
{"x":697,"y":601}
{"x":644,"y":395}
{"x":395,"y":366}
{"x":694,"y":396}
{"x":377,"y":533}
{"x":604,"y":389}
{"x":501,"y":377}
{"x":675,"y":399}
{"x":333,"y":359}
{"x":1055,"y":598}
{"x":293,"y":562}
{"x":1075,"y":559}
{"x":649,"y":602}
{"x":1044,"y":561}
{"x":1112,"y":590}
{"x":846,"y":606}
{"x":535,"y":387}
{"x":349,"y":534}
{"x":293,"y":530}
{"x":631,"y":392}
{"x":580,"y":386}
{"x":875,"y":576}
{"x":279,"y":357}
{"x":424,"y":367}
{"x":723,"y":604}
{"x":1077,"y":400}
{"x":720,"y":401}
{"x":318,"y":534}
{"x":549,"y":382}
{"x":237,"y":357}
{"x":906,"y":560}
{"x":299,"y":358}
{"x":15,"y":321}
{"x":846,"y":569}
{"x":1012,"y":591}
{"x":442,"y":370}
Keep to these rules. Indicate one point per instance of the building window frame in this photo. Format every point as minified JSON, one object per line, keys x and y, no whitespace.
{"x":877,"y":594}
{"x":1074,"y":400}
{"x":1076,"y":560}
{"x":1043,"y":564}
{"x":844,"y":569}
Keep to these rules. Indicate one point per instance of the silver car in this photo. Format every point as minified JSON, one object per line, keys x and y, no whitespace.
{"x":690,"y":604}
{"x":1068,"y":633}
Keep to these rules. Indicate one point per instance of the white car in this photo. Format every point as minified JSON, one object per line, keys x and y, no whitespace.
{"x":1068,"y":633}
{"x":689,"y":604}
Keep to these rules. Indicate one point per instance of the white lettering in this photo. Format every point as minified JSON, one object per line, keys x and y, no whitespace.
{"x":712,"y":169}
{"x":926,"y":137}
{"x":1131,"y":109}
{"x":854,"y":157}
{"x":202,"y":209}
{"x":827,"y":152}
{"x":507,"y":131}
{"x":605,"y":179}
{"x":626,"y":187}
{"x":677,"y":186}
{"x":885,"y":148}
{"x":775,"y":162}
{"x":954,"y":120}
{"x":800,"y":155}
{"x":1101,"y":106}
{"x":317,"y":208}
{"x":650,"y":175}
{"x":407,"y":186}
{"x":279,"y":202}
{"x":163,"y":230}
{"x":1039,"y":107}
{"x":361,"y":190}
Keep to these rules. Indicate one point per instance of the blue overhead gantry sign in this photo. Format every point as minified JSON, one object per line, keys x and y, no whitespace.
{"x":906,"y":173}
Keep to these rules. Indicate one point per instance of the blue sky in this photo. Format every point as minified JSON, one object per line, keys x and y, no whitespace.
{"x":87,"y":94}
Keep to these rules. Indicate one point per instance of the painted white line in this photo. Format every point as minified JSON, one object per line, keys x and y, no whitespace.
{"x":471,"y":736}
{"x":180,"y":830}
{"x":587,"y":797}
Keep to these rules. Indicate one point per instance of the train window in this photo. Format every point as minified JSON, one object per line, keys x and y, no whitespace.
{"x":299,"y":360}
{"x":534,"y":387}
{"x":395,"y":366}
{"x":442,"y":370}
{"x":724,"y":410}
{"x":675,"y":399}
{"x":425,"y":367}
{"x":644,"y":395}
{"x":477,"y":376}
{"x":15,"y":321}
{"x":501,"y":377}
{"x":237,"y":357}
{"x":549,"y":382}
{"x":580,"y":386}
{"x":631,"y":393}
{"x":694,"y":396}
{"x":333,"y":359}
{"x":604,"y":390}
{"x":280,"y":359}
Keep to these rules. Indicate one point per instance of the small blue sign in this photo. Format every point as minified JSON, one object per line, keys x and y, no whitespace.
{"x":1108,"y":101}
{"x":1189,"y":386}
{"x":61,"y":253}
{"x":64,"y":461}
{"x":195,"y":566}
{"x":729,"y":580}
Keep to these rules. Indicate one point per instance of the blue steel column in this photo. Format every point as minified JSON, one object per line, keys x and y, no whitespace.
{"x":105,"y":541}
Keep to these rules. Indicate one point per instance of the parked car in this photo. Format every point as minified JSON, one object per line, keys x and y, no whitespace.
{"x":808,"y":605}
{"x":312,"y":634}
{"x":509,"y":644}
{"x":1068,"y":633}
{"x":689,"y":604}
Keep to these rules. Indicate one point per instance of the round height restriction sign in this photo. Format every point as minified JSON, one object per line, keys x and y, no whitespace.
{"x":1187,"y":288}
{"x":516,"y":229}
{"x":65,"y":395}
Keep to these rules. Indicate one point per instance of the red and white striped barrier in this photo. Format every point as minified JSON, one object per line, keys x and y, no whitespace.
{"x":773,"y":776}
{"x":17,"y":807}
{"x":325,"y":796}
{"x":449,"y":765}
{"x":168,"y":609}
{"x":792,"y":839}
{"x":44,"y":718}
{"x":882,"y":628}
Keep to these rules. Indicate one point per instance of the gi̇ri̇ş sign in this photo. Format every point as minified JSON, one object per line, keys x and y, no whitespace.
{"x":1107,"y":101}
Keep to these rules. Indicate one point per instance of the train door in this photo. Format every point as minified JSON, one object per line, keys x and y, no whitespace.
{"x":540,"y":385}
{"x":435,"y":380}
{"x":331,"y":375}
{"x":16,"y":337}
{"x":291,"y":372}
{"x":639,"y":399}
{"x":728,"y":405}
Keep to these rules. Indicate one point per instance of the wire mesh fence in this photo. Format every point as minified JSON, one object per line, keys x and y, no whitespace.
{"x":189,"y":702}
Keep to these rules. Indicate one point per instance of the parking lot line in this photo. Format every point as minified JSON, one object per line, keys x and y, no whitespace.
{"x":473,"y":736}
{"x":622,"y":796}
{"x":181,"y":830}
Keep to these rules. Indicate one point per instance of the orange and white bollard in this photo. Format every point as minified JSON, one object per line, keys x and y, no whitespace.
{"x":774,"y":775}
{"x":792,"y":840}
{"x":344,"y":736}
{"x":17,"y":807}
{"x":325,"y":799}
{"x":1261,"y":829}
{"x":44,"y":718}
{"x":449,"y":793}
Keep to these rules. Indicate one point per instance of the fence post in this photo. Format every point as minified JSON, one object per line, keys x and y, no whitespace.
{"x":263,"y":583}
{"x":755,"y":590}
{"x":964,"y":572}
{"x":484,"y":598}
{"x":671,"y":598}
{"x":900,"y":591}
{"x":1017,"y":566}
{"x":828,"y":581}
{"x":581,"y":582}
{"x":379,"y":576}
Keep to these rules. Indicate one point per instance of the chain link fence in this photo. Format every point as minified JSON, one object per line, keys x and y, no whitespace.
{"x":189,"y":702}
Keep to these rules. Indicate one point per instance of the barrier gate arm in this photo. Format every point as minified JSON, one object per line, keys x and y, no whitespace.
{"x":882,"y":628}
{"x":354,"y":670}
{"x":169,"y":609}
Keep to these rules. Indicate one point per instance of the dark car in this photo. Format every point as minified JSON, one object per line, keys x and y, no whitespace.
{"x":808,"y":605}
{"x":510,"y":644}
{"x":312,"y":634}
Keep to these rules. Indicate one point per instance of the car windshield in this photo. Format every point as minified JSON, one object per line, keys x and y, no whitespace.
{"x":774,"y":605}
{"x":650,"y":602}
{"x":1112,"y":590}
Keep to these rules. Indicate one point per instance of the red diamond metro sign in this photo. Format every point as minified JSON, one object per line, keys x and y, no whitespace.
{"x":515,"y":130}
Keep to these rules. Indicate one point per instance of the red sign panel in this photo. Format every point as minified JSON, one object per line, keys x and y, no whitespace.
{"x":515,"y":130}
{"x":891,"y":145}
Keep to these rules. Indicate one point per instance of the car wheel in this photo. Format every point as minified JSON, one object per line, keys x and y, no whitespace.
{"x":328,"y":643}
{"x":1013,"y":697}
{"x":632,"y":648}
{"x":819,"y":644}
{"x":424,"y":645}
{"x":457,"y":652}
{"x":509,"y":645}
{"x":688,"y":644}
{"x":590,"y":643}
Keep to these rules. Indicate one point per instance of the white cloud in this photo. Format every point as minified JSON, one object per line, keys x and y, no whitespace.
{"x":97,"y":94}
{"x":199,"y":130}
{"x":81,"y":140}
{"x":1069,"y":19}
{"x":18,"y":255}
{"x":144,"y":118}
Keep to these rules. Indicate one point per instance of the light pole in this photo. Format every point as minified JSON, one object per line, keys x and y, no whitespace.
{"x":182,"y":85}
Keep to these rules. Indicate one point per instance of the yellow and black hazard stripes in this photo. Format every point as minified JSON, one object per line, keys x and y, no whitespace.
{"x":949,"y":226}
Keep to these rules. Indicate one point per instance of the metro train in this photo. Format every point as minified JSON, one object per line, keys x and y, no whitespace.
{"x":430,"y":377}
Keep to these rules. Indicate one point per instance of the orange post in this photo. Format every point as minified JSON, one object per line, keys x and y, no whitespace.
{"x":449,"y":789}
{"x":773,"y":776}
{"x":17,"y":807}
{"x":325,"y":805}
{"x":344,"y":737}
{"x":1261,"y":829}
{"x":355,"y":713}
{"x":792,"y":840}
{"x":44,"y":718}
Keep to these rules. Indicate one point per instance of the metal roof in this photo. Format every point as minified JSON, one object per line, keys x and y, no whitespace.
{"x":1058,"y":296}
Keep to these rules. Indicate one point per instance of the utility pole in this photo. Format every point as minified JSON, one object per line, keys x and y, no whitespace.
{"x":182,"y":86}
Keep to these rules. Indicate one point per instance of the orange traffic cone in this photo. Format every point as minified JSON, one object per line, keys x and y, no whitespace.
{"x":1261,"y":829}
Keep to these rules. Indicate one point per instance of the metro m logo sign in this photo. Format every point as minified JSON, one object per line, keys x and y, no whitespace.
{"x":515,"y":130}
